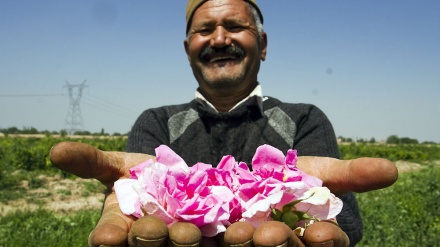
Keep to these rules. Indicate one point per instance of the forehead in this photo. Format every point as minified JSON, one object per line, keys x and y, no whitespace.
{"x":214,"y":10}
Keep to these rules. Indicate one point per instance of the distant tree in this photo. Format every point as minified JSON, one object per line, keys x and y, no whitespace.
{"x":407,"y":140}
{"x":372,"y":140}
{"x":361,"y":140}
{"x":429,"y":143}
{"x":82,"y":133}
{"x":12,"y":130}
{"x":29,"y":131}
{"x":393,"y":139}
{"x":340,"y":139}
{"x":46,"y":133}
{"x":63,"y":133}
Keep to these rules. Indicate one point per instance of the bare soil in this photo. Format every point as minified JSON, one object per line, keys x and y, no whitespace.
{"x":66,"y":195}
{"x":59,"y":195}
{"x":406,"y":166}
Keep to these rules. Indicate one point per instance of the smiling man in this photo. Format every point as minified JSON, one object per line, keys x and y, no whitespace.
{"x":225,"y":45}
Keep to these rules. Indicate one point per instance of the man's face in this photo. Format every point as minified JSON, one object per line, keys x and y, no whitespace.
{"x":223,"y":46}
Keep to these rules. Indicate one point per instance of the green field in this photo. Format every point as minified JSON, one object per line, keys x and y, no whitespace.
{"x":405,"y":214}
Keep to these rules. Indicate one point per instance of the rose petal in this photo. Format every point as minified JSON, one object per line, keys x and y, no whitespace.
{"x":127,"y":197}
{"x":263,"y":205}
{"x":259,"y":212}
{"x":168,"y":157}
{"x":227,"y":163}
{"x":138,"y":169}
{"x":268,"y":158}
{"x":316,"y":196}
{"x":291,"y":158}
{"x":323,"y":204}
{"x":211,"y":230}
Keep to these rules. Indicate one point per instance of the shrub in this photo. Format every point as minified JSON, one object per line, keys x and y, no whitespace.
{"x":44,"y":228}
{"x":405,"y":214}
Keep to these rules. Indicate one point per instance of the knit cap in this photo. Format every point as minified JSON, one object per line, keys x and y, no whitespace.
{"x":194,"y":4}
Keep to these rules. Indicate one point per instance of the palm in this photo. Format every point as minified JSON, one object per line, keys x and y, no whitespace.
{"x":340,"y":176}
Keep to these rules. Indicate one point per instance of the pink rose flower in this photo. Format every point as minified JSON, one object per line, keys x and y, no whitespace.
{"x":170,"y":190}
{"x":213,"y":198}
{"x":278,"y":182}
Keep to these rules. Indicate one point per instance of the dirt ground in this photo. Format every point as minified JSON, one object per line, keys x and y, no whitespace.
{"x":66,"y":195}
{"x":60,"y":195}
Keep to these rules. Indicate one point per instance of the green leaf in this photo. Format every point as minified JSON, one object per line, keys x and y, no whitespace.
{"x":291,"y":205}
{"x":290,"y":219}
{"x":276,"y":214}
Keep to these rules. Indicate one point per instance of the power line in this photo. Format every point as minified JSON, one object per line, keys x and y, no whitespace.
{"x":108,"y":108}
{"x":74,"y":120}
{"x":28,"y":95}
{"x":111,"y":104}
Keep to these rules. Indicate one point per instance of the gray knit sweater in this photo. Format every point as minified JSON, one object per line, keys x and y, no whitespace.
{"x":199,"y":135}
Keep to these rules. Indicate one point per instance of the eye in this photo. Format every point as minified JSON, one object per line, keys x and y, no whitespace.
{"x":204,"y":31}
{"x":235,"y":28}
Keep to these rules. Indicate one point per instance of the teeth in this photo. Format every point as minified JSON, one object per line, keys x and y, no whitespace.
{"x":214,"y":59}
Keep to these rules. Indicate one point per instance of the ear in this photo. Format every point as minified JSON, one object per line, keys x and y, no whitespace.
{"x":186,"y":45}
{"x":263,"y":46}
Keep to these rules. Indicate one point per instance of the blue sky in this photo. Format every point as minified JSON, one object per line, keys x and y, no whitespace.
{"x":372,"y":66}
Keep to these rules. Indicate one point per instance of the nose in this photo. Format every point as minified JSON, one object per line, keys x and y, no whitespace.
{"x":220,"y":37}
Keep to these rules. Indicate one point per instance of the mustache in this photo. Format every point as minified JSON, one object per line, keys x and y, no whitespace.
{"x":234,"y":50}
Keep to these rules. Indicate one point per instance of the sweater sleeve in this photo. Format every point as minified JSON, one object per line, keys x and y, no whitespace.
{"x":315,"y":137}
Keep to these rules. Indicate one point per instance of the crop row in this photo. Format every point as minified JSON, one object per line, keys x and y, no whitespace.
{"x":31,"y":154}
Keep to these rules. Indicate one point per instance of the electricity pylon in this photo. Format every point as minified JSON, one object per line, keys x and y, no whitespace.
{"x":74,"y":121}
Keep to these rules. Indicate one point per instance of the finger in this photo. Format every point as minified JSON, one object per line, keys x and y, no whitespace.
{"x":357,"y":175}
{"x":239,"y":234}
{"x":275,"y":233}
{"x":113,"y":227}
{"x":148,"y":231}
{"x":184,"y":234}
{"x":86,"y":161}
{"x":325,"y":234}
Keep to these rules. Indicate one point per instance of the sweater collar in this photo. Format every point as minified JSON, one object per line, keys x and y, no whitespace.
{"x":254,"y":98}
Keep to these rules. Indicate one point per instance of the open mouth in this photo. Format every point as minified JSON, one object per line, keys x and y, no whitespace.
{"x":221,"y":58}
{"x":222,"y":55}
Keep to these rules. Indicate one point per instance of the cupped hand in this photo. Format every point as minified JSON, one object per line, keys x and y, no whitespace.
{"x":116,"y":229}
{"x":86,"y":161}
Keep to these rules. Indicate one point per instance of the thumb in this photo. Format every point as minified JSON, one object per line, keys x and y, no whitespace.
{"x":357,"y":175}
{"x":86,"y":161}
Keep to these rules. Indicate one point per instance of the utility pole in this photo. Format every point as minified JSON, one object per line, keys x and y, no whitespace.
{"x":74,"y":121}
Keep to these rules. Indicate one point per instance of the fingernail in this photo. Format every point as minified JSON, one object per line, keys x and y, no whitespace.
{"x":184,"y":234}
{"x":140,"y":242}
{"x":323,"y":244}
{"x":282,"y":245}
{"x":174,"y":244}
{"x":246,"y":244}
